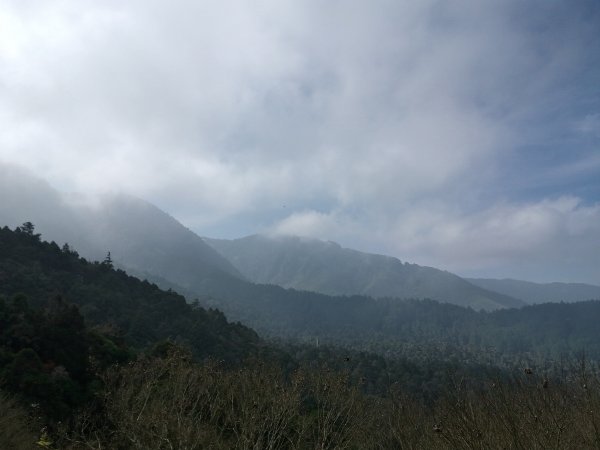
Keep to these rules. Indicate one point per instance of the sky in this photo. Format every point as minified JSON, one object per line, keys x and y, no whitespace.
{"x":463,"y":135}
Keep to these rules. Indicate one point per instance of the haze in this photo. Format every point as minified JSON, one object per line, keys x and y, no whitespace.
{"x":462,"y":135}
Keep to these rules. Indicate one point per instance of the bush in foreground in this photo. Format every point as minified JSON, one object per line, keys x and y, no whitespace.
{"x":172,"y":403}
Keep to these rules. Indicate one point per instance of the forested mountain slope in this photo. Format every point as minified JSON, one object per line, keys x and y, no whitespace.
{"x":84,"y":389}
{"x":392,"y":327}
{"x":326,"y":267}
{"x":148,"y":242}
{"x":141,"y":237}
{"x":403,"y":327}
{"x":142,"y":312}
{"x":145,"y":239}
{"x":57,"y":309}
{"x":540,"y":292}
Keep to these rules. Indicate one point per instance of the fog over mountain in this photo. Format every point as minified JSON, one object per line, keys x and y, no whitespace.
{"x":139,"y":236}
{"x":326,"y":267}
{"x":148,"y":242}
{"x":538,"y":292}
{"x":355,"y":188}
{"x":461,"y":135}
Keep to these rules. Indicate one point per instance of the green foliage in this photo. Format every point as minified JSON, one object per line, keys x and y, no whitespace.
{"x":28,"y":228}
{"x":431,"y":391}
{"x":108,"y":262}
{"x":139,"y":310}
{"x":395,"y":327}
{"x":47,"y":355}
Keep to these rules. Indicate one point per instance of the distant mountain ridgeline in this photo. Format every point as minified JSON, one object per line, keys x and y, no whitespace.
{"x":388,"y":326}
{"x":140,"y":236}
{"x":64,"y":319}
{"x":540,"y":292}
{"x":148,"y":242}
{"x":395,"y":327}
{"x":326,"y":267}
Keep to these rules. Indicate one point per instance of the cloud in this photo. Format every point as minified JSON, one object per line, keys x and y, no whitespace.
{"x":590,"y":124}
{"x":504,"y":230}
{"x":321,"y":225}
{"x":545,"y":240}
{"x":360,"y":117}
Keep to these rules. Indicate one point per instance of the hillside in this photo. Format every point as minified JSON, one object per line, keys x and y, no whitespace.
{"x":41,"y":283}
{"x":409,"y":327}
{"x":326,"y":267}
{"x":149,"y":243}
{"x":141,"y":238}
{"x":540,"y":292}
{"x":139,"y":310}
{"x":146,"y":314}
{"x":144,"y":239}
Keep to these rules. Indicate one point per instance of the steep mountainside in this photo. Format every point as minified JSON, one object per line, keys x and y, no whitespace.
{"x":141,"y":238}
{"x":328,"y":268}
{"x":149,"y":243}
{"x":56,"y":365}
{"x":540,"y":292}
{"x":393,"y":327}
{"x":144,"y":313}
{"x":147,"y":240}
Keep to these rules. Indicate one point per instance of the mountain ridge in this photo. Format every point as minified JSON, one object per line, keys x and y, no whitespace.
{"x":140,"y":236}
{"x":328,"y":268}
{"x":139,"y":311}
{"x":533,"y":293}
{"x":147,"y":241}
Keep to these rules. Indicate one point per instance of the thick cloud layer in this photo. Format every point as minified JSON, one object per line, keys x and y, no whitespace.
{"x":457,"y":134}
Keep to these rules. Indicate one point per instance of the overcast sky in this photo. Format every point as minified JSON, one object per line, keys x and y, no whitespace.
{"x":458,"y":134}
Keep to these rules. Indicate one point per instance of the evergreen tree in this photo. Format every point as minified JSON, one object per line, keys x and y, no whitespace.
{"x":108,"y":262}
{"x":28,"y":228}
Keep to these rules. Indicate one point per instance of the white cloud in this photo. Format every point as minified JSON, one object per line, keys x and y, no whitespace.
{"x":590,"y":124}
{"x":315,"y":224}
{"x":545,"y":240}
{"x":370,"y":120}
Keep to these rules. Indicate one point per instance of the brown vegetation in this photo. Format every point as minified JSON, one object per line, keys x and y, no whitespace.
{"x":15,"y":433}
{"x":172,"y":403}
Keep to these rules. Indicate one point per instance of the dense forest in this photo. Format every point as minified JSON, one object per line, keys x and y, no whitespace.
{"x":139,"y":315}
{"x":326,"y":267}
{"x":142,"y":312}
{"x":394,"y":327}
{"x":95,"y":358}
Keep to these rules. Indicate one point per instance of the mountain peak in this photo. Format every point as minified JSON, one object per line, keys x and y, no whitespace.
{"x":328,"y":268}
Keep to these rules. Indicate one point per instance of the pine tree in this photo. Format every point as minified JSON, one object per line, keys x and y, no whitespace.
{"x":108,"y":262}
